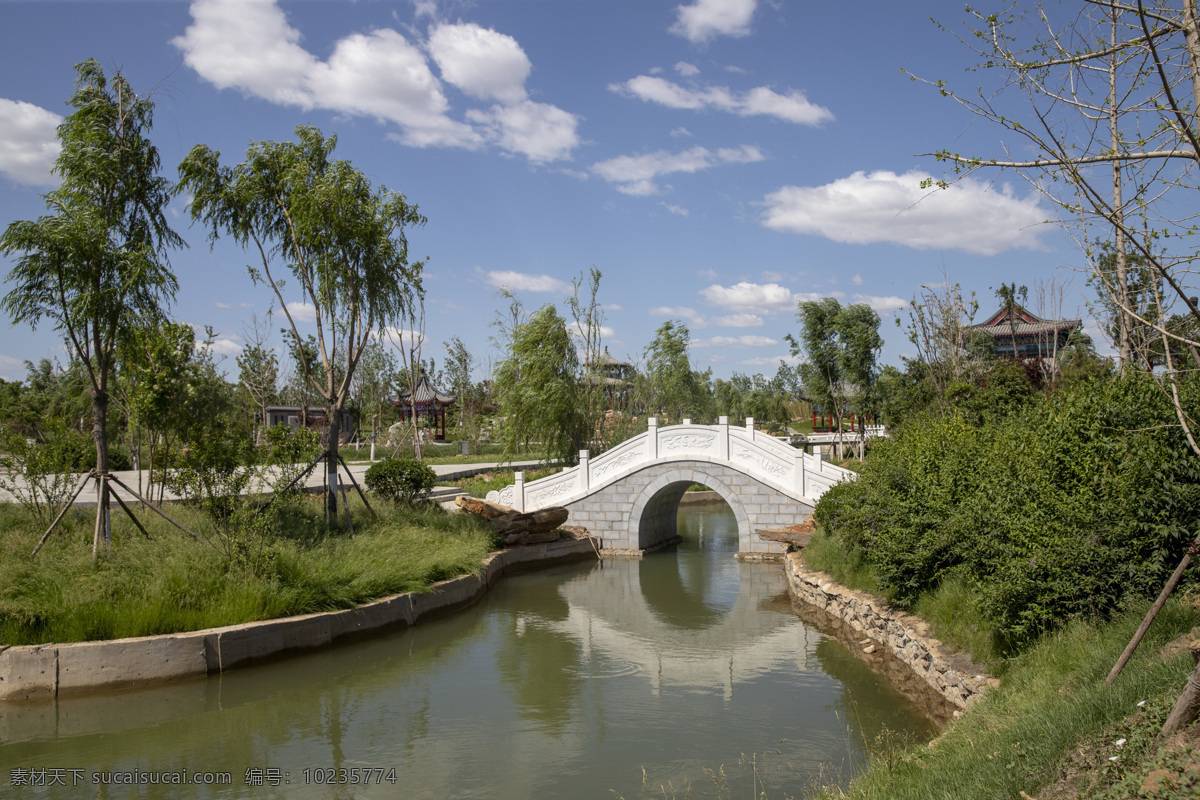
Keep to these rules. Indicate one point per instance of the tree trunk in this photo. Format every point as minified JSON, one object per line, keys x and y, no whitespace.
{"x":1124,"y":319}
{"x":333,"y":413}
{"x":1188,"y":705}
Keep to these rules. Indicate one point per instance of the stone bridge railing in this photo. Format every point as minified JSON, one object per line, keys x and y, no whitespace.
{"x":794,"y":473}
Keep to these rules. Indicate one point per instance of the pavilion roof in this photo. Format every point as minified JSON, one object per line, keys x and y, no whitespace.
{"x":1024,"y":323}
{"x":425,"y":393}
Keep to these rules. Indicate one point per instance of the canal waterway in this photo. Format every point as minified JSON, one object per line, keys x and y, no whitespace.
{"x":589,"y":680}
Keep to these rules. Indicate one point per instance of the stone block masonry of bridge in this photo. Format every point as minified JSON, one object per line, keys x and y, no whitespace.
{"x":629,"y":496}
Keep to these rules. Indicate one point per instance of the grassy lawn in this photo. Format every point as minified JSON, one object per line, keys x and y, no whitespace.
{"x":172,"y":583}
{"x":1052,"y":716}
{"x":437,"y":454}
{"x":494,"y":481}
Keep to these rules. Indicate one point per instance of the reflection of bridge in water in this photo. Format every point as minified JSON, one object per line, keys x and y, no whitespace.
{"x":638,"y":617}
{"x":629,"y":496}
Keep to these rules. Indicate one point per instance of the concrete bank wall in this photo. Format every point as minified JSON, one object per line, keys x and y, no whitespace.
{"x":43,"y":672}
{"x":951,"y":674}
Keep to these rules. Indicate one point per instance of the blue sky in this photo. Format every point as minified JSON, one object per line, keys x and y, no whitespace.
{"x":717,"y":160}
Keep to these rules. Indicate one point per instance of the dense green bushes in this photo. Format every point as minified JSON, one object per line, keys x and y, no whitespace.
{"x":1066,"y":508}
{"x":400,"y":480}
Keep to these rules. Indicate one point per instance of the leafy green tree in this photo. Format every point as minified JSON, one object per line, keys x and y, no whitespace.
{"x":841,"y":348}
{"x":671,"y":387}
{"x":459,"y":364}
{"x":373,"y":381}
{"x":158,"y":362}
{"x":258,"y":373}
{"x":96,"y":266}
{"x":342,"y":240}
{"x":538,"y":386}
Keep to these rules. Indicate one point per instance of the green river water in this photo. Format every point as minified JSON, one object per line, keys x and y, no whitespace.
{"x":588,"y":680}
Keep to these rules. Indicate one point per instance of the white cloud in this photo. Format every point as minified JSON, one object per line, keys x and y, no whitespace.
{"x":224,"y":347}
{"x":680,"y":131}
{"x":760,"y":101}
{"x":680,"y":210}
{"x":524,"y":282}
{"x":611,"y":307}
{"x":576,"y":330}
{"x":740,"y":321}
{"x":771,"y":361}
{"x":707,"y":19}
{"x":886,"y":207}
{"x":635,"y":174}
{"x":538,"y":131}
{"x":302,"y":312}
{"x":28,"y":142}
{"x":11,"y":366}
{"x":751,"y":297}
{"x":707,"y":274}
{"x":881,"y":303}
{"x":250,"y":46}
{"x":400,"y":337}
{"x":687,"y":70}
{"x":857,"y":280}
{"x":219,"y":304}
{"x":483,"y":63}
{"x":693,"y":316}
{"x":749,"y":340}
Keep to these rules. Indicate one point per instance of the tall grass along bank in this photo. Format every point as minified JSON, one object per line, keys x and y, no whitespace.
{"x":171,"y":583}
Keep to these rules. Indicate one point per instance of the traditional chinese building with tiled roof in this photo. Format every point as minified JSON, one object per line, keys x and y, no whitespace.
{"x":1035,"y":337}
{"x":430,"y":403}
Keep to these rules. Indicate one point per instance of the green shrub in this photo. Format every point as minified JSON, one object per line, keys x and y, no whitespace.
{"x":1070,"y":507}
{"x":401,"y":480}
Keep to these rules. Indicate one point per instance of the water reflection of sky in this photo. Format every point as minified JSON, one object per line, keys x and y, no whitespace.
{"x":562,"y":682}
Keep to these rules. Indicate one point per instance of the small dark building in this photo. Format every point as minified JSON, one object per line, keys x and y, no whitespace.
{"x":1035,"y":337}
{"x":314,"y":417}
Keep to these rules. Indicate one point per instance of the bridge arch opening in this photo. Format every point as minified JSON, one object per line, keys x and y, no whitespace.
{"x":656,"y":510}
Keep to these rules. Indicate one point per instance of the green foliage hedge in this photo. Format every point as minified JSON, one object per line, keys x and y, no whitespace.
{"x":400,"y":480}
{"x":1069,"y":507}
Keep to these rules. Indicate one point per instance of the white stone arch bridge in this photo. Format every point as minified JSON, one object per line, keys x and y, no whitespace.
{"x":629,"y":496}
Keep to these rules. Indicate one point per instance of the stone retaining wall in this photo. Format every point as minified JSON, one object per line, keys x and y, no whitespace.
{"x":43,"y":672}
{"x":951,"y":674}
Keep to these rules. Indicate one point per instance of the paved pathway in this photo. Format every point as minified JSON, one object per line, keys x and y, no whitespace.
{"x":445,"y":472}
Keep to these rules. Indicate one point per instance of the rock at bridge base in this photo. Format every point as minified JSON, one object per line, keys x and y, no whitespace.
{"x":483,"y":508}
{"x":510,"y":523}
{"x":795,"y":536}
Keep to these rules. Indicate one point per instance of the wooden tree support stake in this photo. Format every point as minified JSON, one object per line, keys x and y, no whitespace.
{"x":154,"y":508}
{"x":128,"y":512}
{"x":350,"y":475}
{"x":1151,"y":614}
{"x":101,"y":501}
{"x":346,"y":508}
{"x":62,"y":513}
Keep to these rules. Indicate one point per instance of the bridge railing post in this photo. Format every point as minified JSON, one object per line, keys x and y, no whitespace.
{"x":519,"y":491}
{"x":800,"y":473}
{"x":750,"y":428}
{"x":584,"y":479}
{"x":723,"y":438}
{"x":652,"y":439}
